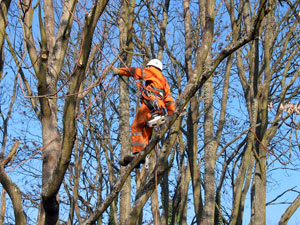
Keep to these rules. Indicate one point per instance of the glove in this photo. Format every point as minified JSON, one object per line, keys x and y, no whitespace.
{"x":116,"y":70}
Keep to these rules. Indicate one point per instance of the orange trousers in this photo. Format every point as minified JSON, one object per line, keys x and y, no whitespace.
{"x":140,"y":132}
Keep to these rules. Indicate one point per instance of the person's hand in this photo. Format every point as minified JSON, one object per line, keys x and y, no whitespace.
{"x":116,"y":70}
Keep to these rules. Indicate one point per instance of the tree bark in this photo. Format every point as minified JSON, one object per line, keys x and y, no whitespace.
{"x":210,"y":145}
{"x":4,"y":6}
{"x":209,"y":157}
{"x":3,"y":206}
{"x":184,"y":185}
{"x":163,"y":27}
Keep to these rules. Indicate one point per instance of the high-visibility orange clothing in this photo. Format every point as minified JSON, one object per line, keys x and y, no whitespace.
{"x":158,"y":85}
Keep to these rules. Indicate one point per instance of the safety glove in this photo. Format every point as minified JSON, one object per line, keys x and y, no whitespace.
{"x":116,"y":70}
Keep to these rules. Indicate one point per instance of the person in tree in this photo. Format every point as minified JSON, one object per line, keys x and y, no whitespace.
{"x":156,"y":98}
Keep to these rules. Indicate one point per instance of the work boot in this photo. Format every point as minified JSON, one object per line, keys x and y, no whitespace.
{"x":128,"y":159}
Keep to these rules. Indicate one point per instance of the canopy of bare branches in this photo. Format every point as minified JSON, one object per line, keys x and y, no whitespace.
{"x":229,"y":154}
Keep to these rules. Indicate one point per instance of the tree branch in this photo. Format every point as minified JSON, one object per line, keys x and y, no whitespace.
{"x":290,"y":211}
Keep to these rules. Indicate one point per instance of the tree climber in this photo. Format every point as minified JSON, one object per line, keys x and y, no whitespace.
{"x":155,"y":97}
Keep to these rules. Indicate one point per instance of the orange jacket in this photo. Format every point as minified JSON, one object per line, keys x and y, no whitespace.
{"x":156,"y":80}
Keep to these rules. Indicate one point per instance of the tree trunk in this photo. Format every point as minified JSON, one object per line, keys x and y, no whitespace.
{"x":184,"y":185}
{"x":126,"y":32}
{"x":192,"y":122}
{"x":259,"y":179}
{"x":209,"y":157}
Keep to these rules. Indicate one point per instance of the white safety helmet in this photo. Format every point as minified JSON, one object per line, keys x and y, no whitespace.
{"x":156,"y":63}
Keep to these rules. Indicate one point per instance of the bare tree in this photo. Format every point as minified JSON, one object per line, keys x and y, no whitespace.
{"x":226,"y":62}
{"x":47,"y":65}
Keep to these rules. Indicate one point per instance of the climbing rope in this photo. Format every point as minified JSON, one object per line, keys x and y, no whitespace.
{"x":270,"y":151}
{"x":156,"y":177}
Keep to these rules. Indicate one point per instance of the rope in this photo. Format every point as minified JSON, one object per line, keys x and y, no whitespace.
{"x":80,"y":115}
{"x":77,"y":63}
{"x":156,"y":180}
{"x":269,"y":151}
{"x":39,"y":150}
{"x":94,"y":99}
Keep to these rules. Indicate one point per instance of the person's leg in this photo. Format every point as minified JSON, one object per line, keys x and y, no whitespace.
{"x":140,"y":133}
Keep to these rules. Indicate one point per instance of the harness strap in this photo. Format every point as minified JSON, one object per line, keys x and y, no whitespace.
{"x":149,"y":90}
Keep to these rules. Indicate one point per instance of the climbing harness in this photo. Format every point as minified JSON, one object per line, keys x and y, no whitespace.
{"x":150,"y":97}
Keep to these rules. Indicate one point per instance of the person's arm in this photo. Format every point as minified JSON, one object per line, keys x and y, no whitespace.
{"x":135,"y":72}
